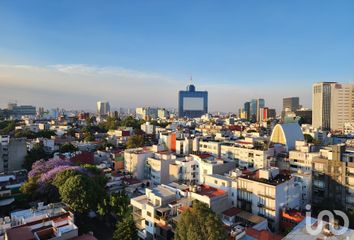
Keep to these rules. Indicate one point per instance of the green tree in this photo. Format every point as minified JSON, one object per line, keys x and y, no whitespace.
{"x":135,"y":141}
{"x":67,"y":147}
{"x":36,"y":153}
{"x":30,"y":187}
{"x":115,"y":204}
{"x":7,"y":127}
{"x":61,"y":177}
{"x":126,"y":230}
{"x":79,"y":193}
{"x":200,"y":223}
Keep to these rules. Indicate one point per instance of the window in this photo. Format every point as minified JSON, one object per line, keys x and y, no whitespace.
{"x":216,"y":181}
{"x":148,"y":213}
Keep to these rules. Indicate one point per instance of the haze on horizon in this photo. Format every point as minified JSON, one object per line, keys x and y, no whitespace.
{"x":141,"y":53}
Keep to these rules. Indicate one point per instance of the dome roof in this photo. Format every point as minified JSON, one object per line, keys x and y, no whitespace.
{"x":191,"y":88}
{"x":287,"y":134}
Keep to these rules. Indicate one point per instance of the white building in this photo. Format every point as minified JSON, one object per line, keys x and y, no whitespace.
{"x":265,"y":192}
{"x":248,"y":156}
{"x":135,"y":161}
{"x":158,"y":167}
{"x":301,"y":158}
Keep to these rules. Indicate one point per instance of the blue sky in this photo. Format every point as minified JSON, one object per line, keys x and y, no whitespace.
{"x":234,"y":49}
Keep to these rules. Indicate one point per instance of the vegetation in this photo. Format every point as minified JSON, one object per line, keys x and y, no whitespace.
{"x":36,"y":153}
{"x":116,"y":205}
{"x":26,"y":133}
{"x":126,"y":230}
{"x":81,"y":187}
{"x":308,"y":138}
{"x":79,"y":193}
{"x":67,"y":147}
{"x":6,"y":127}
{"x":135,"y":141}
{"x":199,"y":223}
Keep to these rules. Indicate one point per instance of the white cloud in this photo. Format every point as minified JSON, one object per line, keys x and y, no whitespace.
{"x":79,"y":86}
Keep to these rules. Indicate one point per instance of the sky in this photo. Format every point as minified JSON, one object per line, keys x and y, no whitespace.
{"x":133,"y":53}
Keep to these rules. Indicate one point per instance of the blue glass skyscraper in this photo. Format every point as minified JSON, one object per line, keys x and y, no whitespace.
{"x":192,"y":103}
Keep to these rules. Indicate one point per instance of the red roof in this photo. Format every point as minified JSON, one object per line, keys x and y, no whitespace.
{"x":204,"y":155}
{"x":84,"y":158}
{"x":131,"y":181}
{"x":23,"y":233}
{"x":231,"y":212}
{"x":209,"y":191}
{"x":262,"y":234}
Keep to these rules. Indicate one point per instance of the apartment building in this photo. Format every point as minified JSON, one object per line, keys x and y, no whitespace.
{"x":12,"y":153}
{"x":151,"y":212}
{"x":208,"y":165}
{"x":301,"y":158}
{"x":135,"y":161}
{"x":184,"y":170}
{"x":213,"y":147}
{"x":52,"y":222}
{"x":333,"y":176}
{"x":265,"y":192}
{"x":157,"y":167}
{"x":226,"y":184}
{"x":247,"y":154}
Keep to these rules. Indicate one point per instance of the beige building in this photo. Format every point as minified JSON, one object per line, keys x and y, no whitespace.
{"x":332,"y":105}
{"x":342,"y":108}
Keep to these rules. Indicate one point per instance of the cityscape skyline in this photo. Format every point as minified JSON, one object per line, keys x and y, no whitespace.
{"x":120,"y":51}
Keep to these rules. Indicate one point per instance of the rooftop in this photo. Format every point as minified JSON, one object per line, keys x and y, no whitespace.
{"x":208,"y":191}
{"x":279,"y":179}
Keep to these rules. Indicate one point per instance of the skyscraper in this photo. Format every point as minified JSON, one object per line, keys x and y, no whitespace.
{"x":342,"y":105}
{"x":291,"y":104}
{"x":255,"y":105}
{"x":246,"y":109}
{"x":332,"y":105}
{"x":321,"y":105}
{"x":103,"y":108}
{"x":192,"y":103}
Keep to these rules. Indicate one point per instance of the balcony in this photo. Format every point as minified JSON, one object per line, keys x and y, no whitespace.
{"x":266,"y":196}
{"x":243,"y":189}
{"x":261,"y":205}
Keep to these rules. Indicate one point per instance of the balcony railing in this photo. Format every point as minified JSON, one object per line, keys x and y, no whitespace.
{"x":261,"y":205}
{"x":265,"y":195}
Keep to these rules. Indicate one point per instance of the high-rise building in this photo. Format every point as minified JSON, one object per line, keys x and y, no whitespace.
{"x":342,"y":105}
{"x":321,"y":105}
{"x":332,"y":105}
{"x":291,"y":104}
{"x":192,"y":103}
{"x":246,"y":109}
{"x":103,"y":108}
{"x":254,"y":108}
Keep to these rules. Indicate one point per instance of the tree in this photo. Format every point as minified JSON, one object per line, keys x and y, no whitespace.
{"x":30,"y":187}
{"x":126,"y":230}
{"x":135,"y":141}
{"x":6,"y":127}
{"x":115,"y":204}
{"x":61,"y":177}
{"x":199,"y":223}
{"x":67,"y":147}
{"x":79,"y":193}
{"x":308,"y":138}
{"x":36,"y":153}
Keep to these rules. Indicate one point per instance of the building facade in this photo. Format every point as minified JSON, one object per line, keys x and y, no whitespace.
{"x":192,"y":103}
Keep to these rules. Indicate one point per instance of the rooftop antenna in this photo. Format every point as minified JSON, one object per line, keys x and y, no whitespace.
{"x":191,"y":80}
